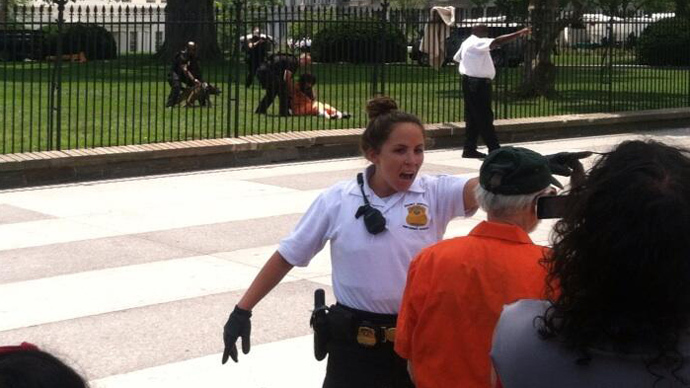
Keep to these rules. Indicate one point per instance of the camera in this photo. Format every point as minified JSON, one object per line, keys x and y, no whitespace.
{"x":551,"y":206}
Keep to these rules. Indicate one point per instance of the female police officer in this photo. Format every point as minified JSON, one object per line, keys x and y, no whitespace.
{"x":402,"y":213}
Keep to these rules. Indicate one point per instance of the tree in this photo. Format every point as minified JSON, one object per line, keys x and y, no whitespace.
{"x":682,"y":8}
{"x":6,"y":7}
{"x":547,"y":19}
{"x":190,"y":20}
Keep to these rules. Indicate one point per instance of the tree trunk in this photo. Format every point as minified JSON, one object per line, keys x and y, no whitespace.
{"x":539,"y":77}
{"x":4,"y":10}
{"x":682,"y":8}
{"x":190,"y":20}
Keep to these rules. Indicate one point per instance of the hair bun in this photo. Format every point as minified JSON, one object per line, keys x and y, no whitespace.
{"x":379,"y":106}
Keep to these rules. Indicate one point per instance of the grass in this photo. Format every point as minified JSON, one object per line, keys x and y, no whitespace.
{"x":122,"y":101}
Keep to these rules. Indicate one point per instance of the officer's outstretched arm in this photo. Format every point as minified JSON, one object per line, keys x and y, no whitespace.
{"x":469,"y":199}
{"x":239,"y":324}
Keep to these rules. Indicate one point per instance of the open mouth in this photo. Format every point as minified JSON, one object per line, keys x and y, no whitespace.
{"x":407,"y":176}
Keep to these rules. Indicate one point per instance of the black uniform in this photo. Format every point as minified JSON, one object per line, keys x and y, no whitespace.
{"x":271,"y":76}
{"x":177,"y":76}
{"x":256,"y":55}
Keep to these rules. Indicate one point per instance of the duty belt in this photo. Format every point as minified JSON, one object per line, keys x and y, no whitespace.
{"x":367,"y":329}
{"x":369,"y":335}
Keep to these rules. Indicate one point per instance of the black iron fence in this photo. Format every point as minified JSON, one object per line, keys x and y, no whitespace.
{"x":98,"y":76}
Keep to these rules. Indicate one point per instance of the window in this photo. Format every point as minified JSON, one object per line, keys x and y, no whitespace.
{"x":133,"y":41}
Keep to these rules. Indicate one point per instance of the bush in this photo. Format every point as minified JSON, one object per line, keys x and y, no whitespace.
{"x":95,"y":41}
{"x":359,"y":41}
{"x":665,"y":42}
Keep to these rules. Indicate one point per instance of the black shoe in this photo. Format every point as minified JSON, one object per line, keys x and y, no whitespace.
{"x":473,"y":154}
{"x":346,"y":115}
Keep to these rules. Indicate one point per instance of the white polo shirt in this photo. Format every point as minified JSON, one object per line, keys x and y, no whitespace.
{"x":474,"y":57}
{"x":369,"y":271}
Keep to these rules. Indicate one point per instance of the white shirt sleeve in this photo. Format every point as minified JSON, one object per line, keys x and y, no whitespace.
{"x":311,"y":233}
{"x":458,"y":55}
{"x":481,"y":44}
{"x":450,"y":200}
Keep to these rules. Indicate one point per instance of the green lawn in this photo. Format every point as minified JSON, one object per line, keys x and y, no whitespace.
{"x":121,"y":102}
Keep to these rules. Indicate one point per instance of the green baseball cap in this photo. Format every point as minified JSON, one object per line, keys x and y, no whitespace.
{"x":515,"y":171}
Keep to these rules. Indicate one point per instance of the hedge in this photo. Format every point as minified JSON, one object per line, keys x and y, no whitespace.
{"x":94,"y":41}
{"x":665,"y":43}
{"x":359,"y":41}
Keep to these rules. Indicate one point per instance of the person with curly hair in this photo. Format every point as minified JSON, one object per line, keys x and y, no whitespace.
{"x":618,"y":308}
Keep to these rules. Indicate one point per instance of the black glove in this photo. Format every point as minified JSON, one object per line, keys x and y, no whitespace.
{"x":563,"y":163}
{"x":238,"y":325}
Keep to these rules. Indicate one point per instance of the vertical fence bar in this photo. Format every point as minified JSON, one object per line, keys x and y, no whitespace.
{"x":239,"y":6}
{"x":385,"y":4}
{"x":4,"y":28}
{"x":609,"y":73}
{"x":56,"y":112}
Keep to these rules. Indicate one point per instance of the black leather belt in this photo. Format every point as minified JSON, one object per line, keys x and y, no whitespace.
{"x":365,"y":328}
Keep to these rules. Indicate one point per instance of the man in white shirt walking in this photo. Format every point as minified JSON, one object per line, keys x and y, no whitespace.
{"x":477,"y":70}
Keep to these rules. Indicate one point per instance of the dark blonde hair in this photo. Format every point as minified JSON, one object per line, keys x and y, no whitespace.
{"x":383,"y":116}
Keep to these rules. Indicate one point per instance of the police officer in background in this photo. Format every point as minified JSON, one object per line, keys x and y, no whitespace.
{"x":375,"y":224}
{"x":477,"y":70}
{"x":257,"y":46}
{"x":272,"y":76}
{"x":185,"y":69}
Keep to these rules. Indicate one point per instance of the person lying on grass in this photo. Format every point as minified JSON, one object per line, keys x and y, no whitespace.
{"x":303,"y":100}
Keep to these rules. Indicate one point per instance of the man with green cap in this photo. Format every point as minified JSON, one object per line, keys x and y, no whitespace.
{"x":456,"y":288}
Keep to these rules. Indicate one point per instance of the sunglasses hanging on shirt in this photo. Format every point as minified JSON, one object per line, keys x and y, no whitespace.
{"x":374,"y":221}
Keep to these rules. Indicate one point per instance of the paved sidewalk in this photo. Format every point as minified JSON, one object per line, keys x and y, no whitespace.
{"x":131,"y":280}
{"x":53,"y":167}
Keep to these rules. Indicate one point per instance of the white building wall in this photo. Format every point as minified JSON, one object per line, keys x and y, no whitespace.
{"x":137,"y":25}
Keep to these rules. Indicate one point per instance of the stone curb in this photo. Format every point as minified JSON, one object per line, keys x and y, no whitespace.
{"x":50,"y":167}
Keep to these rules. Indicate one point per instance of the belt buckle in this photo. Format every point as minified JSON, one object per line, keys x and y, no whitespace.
{"x":366,"y":336}
{"x":389,"y":334}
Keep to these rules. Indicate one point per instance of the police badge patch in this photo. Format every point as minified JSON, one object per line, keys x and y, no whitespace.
{"x":417,"y":216}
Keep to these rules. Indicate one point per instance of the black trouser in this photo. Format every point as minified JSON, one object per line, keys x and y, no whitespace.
{"x":274,"y":85}
{"x":175,"y":82}
{"x":253,"y":64}
{"x":479,"y":118}
{"x":353,"y":365}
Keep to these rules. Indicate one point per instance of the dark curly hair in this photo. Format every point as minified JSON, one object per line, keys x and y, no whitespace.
{"x":619,"y":272}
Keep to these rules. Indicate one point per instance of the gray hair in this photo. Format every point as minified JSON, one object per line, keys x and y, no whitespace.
{"x":503,"y":205}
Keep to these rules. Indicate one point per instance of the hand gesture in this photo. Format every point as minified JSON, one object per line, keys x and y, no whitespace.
{"x":568,"y":164}
{"x":526,"y":31}
{"x":238,"y":325}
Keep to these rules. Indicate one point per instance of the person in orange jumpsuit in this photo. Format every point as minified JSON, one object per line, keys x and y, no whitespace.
{"x":456,"y":288}
{"x":303,"y":100}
